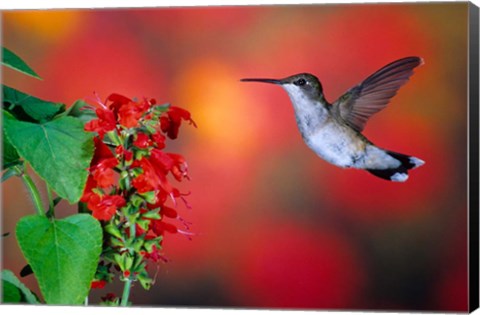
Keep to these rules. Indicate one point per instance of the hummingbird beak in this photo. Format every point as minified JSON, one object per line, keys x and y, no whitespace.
{"x":273,"y":81}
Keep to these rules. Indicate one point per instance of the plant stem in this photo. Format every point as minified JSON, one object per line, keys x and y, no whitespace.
{"x":126,"y":292}
{"x":133,"y":231}
{"x":9,"y":173}
{"x":128,"y":281}
{"x":32,"y":189}
{"x":51,"y":206}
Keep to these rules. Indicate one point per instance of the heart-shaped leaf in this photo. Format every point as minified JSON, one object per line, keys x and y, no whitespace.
{"x":15,"y":291}
{"x":59,"y":151}
{"x":26,"y":107}
{"x":63,"y":254}
{"x":10,"y":156}
{"x":11,"y":60}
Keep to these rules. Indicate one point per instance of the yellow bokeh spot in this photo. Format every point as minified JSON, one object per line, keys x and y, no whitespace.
{"x":44,"y":24}
{"x":228,"y":118}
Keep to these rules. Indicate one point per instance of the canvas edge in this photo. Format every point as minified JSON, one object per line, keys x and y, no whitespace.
{"x":474,"y":236}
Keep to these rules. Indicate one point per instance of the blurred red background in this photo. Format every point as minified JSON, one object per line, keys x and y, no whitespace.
{"x":277,"y":226}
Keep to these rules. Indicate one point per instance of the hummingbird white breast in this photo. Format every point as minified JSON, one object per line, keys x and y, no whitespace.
{"x":336,"y":145}
{"x":343,"y":147}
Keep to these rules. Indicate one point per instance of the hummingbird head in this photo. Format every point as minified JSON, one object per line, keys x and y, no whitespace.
{"x":303,"y":86}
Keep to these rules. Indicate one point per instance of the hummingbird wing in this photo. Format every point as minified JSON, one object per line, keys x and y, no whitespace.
{"x":359,"y":103}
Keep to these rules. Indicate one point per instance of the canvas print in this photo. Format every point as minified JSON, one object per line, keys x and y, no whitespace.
{"x":287,"y":157}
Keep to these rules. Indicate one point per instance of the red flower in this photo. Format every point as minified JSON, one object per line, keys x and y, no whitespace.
{"x":179,"y":168}
{"x":159,"y":140}
{"x":148,"y":180}
{"x":102,"y":164}
{"x":129,"y":114}
{"x":98,"y":284}
{"x":106,"y":122}
{"x":117,"y":101}
{"x":169,"y":212}
{"x":159,"y":227}
{"x":155,"y":170}
{"x":173,"y":193}
{"x":147,"y":234}
{"x":169,"y":162}
{"x":155,"y":255}
{"x":171,"y":123}
{"x":87,"y":192}
{"x":142,"y":141}
{"x":104,"y":207}
{"x":102,"y":152}
{"x":120,"y":151}
{"x":104,"y":174}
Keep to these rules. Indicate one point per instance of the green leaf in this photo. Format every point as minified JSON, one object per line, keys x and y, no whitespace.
{"x":27,"y":107}
{"x":59,"y":151}
{"x":112,"y":229}
{"x":63,"y":254}
{"x":145,"y":280}
{"x":10,"y":156}
{"x":11,"y":294}
{"x":11,"y":60}
{"x":15,"y":291}
{"x":9,"y":173}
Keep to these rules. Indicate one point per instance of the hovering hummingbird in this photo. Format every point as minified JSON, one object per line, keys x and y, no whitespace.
{"x":334,"y":132}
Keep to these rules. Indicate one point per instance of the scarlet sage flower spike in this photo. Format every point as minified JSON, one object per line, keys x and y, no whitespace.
{"x":131,"y":182}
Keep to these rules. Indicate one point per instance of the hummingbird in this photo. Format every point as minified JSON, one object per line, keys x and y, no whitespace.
{"x":334,"y":131}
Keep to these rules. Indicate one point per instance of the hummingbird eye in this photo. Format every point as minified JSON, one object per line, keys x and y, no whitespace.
{"x":300,"y":82}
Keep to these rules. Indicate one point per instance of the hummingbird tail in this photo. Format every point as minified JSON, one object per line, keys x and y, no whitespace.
{"x":399,"y":174}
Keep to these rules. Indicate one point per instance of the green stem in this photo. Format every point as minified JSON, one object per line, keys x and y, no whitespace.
{"x":128,"y":281}
{"x":50,"y":197}
{"x":9,"y":173}
{"x":51,"y":205}
{"x":126,"y":292}
{"x":32,"y":189}
{"x":133,"y":231}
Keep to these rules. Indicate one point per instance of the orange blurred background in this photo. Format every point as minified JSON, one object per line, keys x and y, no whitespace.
{"x":277,"y":227}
